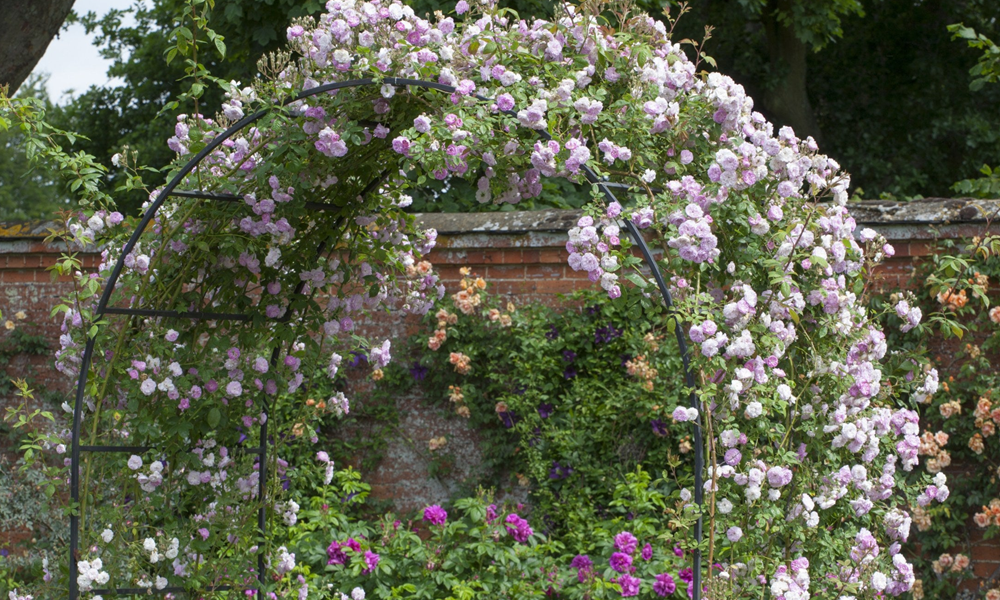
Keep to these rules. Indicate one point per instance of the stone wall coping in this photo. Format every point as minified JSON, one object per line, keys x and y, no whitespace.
{"x":27,"y":230}
{"x":916,"y":219}
{"x":868,"y":213}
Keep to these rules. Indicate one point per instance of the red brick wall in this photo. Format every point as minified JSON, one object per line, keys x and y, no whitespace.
{"x":520,"y":254}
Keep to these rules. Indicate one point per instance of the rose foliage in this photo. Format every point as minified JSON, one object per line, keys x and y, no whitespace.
{"x":806,"y":440}
{"x":960,"y":335}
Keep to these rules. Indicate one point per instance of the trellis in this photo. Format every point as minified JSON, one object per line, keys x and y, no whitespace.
{"x":103,"y":309}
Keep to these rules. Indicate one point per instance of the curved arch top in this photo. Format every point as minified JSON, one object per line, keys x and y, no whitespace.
{"x":170,"y":189}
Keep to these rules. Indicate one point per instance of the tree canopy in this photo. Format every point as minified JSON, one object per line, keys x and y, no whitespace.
{"x":27,"y":190}
{"x":881,"y":83}
{"x":887,"y":86}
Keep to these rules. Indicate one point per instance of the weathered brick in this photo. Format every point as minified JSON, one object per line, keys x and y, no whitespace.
{"x":552,"y":255}
{"x":537,"y":271}
{"x":569,"y":273}
{"x":482,"y":257}
{"x":558,"y":286}
{"x":515,"y":272}
{"x":16,"y":261}
{"x":920,"y":248}
{"x":530,"y":256}
{"x":448,"y":272}
{"x":15,"y":276}
{"x":512,"y":256}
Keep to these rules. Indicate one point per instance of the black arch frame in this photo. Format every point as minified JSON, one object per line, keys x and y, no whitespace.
{"x":170,"y":190}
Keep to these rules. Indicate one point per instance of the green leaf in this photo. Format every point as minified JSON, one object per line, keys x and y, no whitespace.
{"x":214,"y":416}
{"x":965,"y":32}
{"x":637,"y":279}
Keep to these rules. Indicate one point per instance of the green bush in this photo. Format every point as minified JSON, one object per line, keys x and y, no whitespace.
{"x":480,"y":549}
{"x":551,"y":394}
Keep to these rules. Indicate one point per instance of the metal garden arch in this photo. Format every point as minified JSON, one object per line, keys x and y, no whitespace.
{"x":170,"y":190}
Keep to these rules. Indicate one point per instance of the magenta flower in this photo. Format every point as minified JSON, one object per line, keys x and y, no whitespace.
{"x":584,"y":567}
{"x":335,"y":555}
{"x":626,"y":542}
{"x":620,"y":562}
{"x":435,"y":515}
{"x":520,"y":531}
{"x":371,"y":560}
{"x":647,"y":552}
{"x":629,"y":585}
{"x":581,"y":561}
{"x":664,"y":585}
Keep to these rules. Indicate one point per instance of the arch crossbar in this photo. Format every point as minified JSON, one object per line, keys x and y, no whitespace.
{"x":171,"y":190}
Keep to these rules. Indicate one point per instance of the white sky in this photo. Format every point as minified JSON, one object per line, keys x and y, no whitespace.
{"x":71,"y":60}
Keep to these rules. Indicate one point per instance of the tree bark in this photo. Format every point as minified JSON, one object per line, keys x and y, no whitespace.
{"x":788,"y":100}
{"x":26,"y":28}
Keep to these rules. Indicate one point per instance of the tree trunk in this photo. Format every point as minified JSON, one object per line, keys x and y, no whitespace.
{"x":26,"y":28}
{"x":788,"y":101}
